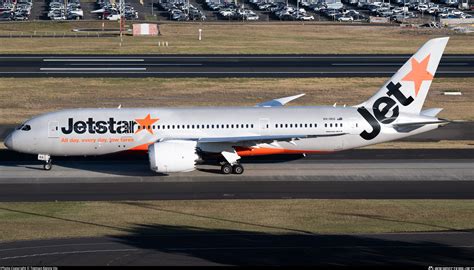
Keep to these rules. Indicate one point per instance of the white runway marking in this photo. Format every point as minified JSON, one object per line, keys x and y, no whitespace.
{"x":143,"y":64}
{"x":92,"y":60}
{"x":93,"y":69}
{"x":391,"y":64}
{"x":69,"y":252}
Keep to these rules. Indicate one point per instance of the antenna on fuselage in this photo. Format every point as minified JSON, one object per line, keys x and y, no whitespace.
{"x":119,"y":106}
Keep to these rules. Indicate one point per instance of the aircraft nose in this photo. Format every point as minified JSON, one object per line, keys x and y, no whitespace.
{"x":9,"y":141}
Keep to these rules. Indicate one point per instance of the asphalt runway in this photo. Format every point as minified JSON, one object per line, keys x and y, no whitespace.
{"x":355,"y":174}
{"x":179,"y":245}
{"x":220,"y":65}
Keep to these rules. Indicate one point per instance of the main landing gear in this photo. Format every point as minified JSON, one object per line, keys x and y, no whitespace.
{"x":49,"y":162}
{"x":230,"y":163}
{"x":226,"y":168}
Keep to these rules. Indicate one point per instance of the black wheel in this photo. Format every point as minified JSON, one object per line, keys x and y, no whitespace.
{"x":226,"y":168}
{"x":237,"y":169}
{"x":48,"y":165}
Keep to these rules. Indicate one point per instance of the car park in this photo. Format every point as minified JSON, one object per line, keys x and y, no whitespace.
{"x":59,"y":10}
{"x":111,"y":11}
{"x":182,"y":11}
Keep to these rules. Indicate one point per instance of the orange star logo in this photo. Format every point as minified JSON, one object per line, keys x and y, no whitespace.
{"x":146,"y":123}
{"x":419,"y":73}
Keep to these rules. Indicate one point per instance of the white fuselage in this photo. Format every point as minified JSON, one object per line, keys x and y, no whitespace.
{"x":103,"y":131}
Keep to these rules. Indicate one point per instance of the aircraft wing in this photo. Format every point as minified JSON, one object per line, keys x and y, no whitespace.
{"x":269,"y":138}
{"x":279,"y":101}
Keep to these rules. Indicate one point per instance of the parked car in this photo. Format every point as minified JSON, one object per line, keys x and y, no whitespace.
{"x":305,"y":18}
{"x":345,"y":19}
{"x":6,"y":16}
{"x":113,"y":17}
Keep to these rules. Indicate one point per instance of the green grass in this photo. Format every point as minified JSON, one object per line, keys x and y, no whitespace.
{"x":20,"y":221}
{"x":39,"y":95}
{"x":225,"y":38}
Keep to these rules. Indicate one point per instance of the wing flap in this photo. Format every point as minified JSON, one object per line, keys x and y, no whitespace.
{"x":265,"y":138}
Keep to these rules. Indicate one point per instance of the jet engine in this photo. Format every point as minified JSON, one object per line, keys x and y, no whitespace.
{"x":173,"y":156}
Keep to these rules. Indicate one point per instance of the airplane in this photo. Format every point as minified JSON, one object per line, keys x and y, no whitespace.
{"x":178,"y":139}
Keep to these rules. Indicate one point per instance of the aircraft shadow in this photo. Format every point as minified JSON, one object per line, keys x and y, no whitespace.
{"x":123,"y":164}
{"x":292,"y":247}
{"x":241,"y":248}
{"x":287,"y":246}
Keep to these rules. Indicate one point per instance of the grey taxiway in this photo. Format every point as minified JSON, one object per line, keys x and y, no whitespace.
{"x":363,"y":174}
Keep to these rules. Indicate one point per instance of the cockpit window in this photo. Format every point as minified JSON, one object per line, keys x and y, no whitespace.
{"x":20,"y":127}
{"x":26,"y":127}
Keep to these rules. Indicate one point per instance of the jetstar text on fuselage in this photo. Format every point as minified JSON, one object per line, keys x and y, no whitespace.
{"x":101,"y":127}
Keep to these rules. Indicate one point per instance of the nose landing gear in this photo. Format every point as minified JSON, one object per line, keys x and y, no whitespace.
{"x":47,"y":158}
{"x":48,"y":165}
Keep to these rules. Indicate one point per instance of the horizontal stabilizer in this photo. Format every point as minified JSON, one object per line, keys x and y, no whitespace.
{"x":431,"y":112}
{"x":279,"y":101}
{"x":407,"y":127}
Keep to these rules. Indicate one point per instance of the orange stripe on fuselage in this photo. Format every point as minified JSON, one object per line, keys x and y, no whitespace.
{"x":142,"y":147}
{"x":250,"y":151}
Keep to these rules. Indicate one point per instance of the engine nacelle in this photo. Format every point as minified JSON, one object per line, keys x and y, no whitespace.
{"x":173,"y":156}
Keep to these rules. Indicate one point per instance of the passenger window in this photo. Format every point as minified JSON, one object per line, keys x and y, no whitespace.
{"x":251,"y":126}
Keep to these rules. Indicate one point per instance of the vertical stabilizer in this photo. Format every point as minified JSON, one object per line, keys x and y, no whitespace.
{"x":410,"y":85}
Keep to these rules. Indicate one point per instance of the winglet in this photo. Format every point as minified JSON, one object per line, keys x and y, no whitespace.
{"x":279,"y":101}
